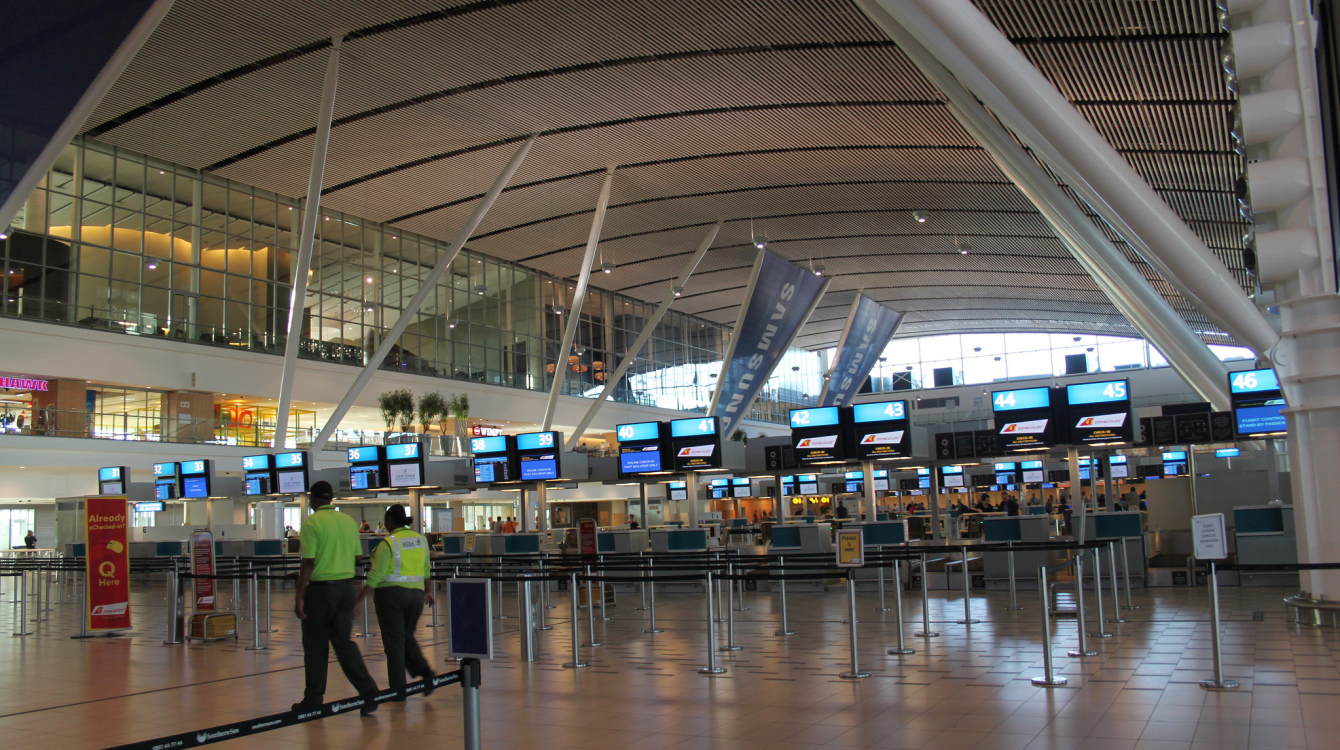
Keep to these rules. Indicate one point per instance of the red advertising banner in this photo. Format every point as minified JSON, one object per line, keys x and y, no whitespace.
{"x":586,"y":536}
{"x":202,"y":564}
{"x":107,"y":571}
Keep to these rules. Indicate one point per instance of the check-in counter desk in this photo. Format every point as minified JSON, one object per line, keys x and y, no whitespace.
{"x":156,"y":549}
{"x":666,"y":539}
{"x":1002,"y":528}
{"x":617,"y":541}
{"x":466,"y":542}
{"x":510,"y":544}
{"x":249,"y":548}
{"x":1126,"y":527}
{"x":1264,"y":535}
{"x":876,"y":535}
{"x":801,"y":538}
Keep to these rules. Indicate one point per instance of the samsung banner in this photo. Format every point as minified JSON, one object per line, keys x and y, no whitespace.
{"x":779,"y":300}
{"x":869,"y":327}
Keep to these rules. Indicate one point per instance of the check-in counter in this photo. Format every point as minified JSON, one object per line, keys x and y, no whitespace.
{"x":511,"y":544}
{"x":616,"y":541}
{"x":1126,"y":527}
{"x":466,"y":542}
{"x":664,"y":540}
{"x":875,"y":535}
{"x":1264,"y":535}
{"x":157,"y":549}
{"x":997,"y":528}
{"x":801,"y":538}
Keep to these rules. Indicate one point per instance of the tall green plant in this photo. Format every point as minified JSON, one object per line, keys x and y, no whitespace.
{"x":460,"y":406}
{"x":404,"y":399}
{"x":432,"y":408}
{"x":389,"y":403}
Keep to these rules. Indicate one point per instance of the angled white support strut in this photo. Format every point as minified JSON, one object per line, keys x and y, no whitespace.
{"x":427,"y":287}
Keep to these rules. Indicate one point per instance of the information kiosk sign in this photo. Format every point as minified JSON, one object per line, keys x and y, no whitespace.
{"x":367,"y":467}
{"x":1023,"y":418}
{"x":643,"y":448}
{"x":1257,"y":402}
{"x":539,"y":453}
{"x":1100,"y":413}
{"x":1209,"y":537}
{"x":291,"y":472}
{"x":818,"y":433}
{"x":257,"y":475}
{"x":112,"y":480}
{"x":495,"y":459}
{"x":586,"y":537}
{"x":404,"y":464}
{"x":470,"y":622}
{"x":165,"y":481}
{"x":881,"y":430}
{"x":696,"y":443}
{"x":107,"y":564}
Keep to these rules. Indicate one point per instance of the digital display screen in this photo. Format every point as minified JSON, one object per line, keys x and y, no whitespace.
{"x":681,"y":493}
{"x":365,"y":454}
{"x":253,"y":485}
{"x":740,"y":481}
{"x":109,"y":473}
{"x":1174,"y":456}
{"x":739,"y":490}
{"x":923,"y":472}
{"x":1007,"y":466}
{"x":495,"y":444}
{"x":401,"y":451}
{"x":716,"y":493}
{"x":1120,"y":471}
{"x":854,"y":486}
{"x":1033,"y":475}
{"x":693,"y":427}
{"x":820,"y":417}
{"x":149,"y":507}
{"x":1084,"y":473}
{"x":193,"y":467}
{"x":195,"y":487}
{"x":1114,"y":460}
{"x":882,"y":484}
{"x":535,"y":441}
{"x":1253,"y":381}
{"x":1005,"y":478}
{"x":365,"y":477}
{"x":292,"y":460}
{"x":924,"y":483}
{"x":719,"y":482}
{"x":640,"y":459}
{"x":255,"y":463}
{"x":1097,"y":393}
{"x":492,"y":469}
{"x":953,"y":480}
{"x":1028,"y":398}
{"x":951,"y":469}
{"x":1174,"y":468}
{"x":405,"y":475}
{"x":1260,"y":420}
{"x":165,"y":490}
{"x":1030,"y":464}
{"x":292,"y":482}
{"x":111,"y":488}
{"x":539,"y":467}
{"x":1227,"y":453}
{"x":638,"y":431}
{"x":885,"y":411}
{"x":165,"y":470}
{"x":809,"y":489}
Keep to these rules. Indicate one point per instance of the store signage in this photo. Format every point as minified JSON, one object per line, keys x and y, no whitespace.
{"x":107,"y":564}
{"x":586,"y":536}
{"x":869,"y":327}
{"x":480,"y":430}
{"x":202,"y":564}
{"x":23,"y":384}
{"x":779,"y":300}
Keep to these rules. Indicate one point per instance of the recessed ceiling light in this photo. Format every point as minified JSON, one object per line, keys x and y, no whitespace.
{"x":921,"y":216}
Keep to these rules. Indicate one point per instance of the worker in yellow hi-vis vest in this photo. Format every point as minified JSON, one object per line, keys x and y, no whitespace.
{"x":400,"y":564}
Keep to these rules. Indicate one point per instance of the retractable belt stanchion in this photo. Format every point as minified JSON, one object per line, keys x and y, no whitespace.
{"x":651,"y":584}
{"x":1014,"y":593}
{"x":881,"y":607}
{"x":173,"y":634}
{"x":1112,"y":575}
{"x":855,"y":673}
{"x":22,"y":622}
{"x":711,"y":667}
{"x":786,"y":627}
{"x":46,"y":590}
{"x":269,"y":603}
{"x":1126,"y":573}
{"x":591,"y":609}
{"x":1098,"y":595}
{"x":36,"y":573}
{"x":926,"y":631}
{"x":730,"y":614}
{"x":432,"y":622}
{"x":1218,"y":683}
{"x":902,"y":648}
{"x":256,"y":614}
{"x":500,"y":614}
{"x":967,"y":591}
{"x":642,"y":556}
{"x":603,"y":616}
{"x":471,"y":673}
{"x":574,"y":594}
{"x":529,"y":643}
{"x":1048,"y":679}
{"x":1083,"y":649}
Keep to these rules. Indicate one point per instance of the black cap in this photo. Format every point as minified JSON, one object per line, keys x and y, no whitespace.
{"x":321,"y":491}
{"x":398,"y":515}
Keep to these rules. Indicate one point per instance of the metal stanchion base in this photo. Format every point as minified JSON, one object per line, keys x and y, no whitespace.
{"x":654,"y":630}
{"x":1222,"y":685}
{"x":587,"y":645}
{"x":783,"y":632}
{"x":900,"y":651}
{"x":1053,"y":682}
{"x":546,"y":627}
{"x":728,"y":648}
{"x":1080,"y":654}
{"x":924,"y":634}
{"x":1133,"y":606}
{"x":1101,"y":635}
{"x":967,"y":622}
{"x":882,"y":609}
{"x":854,"y":675}
{"x":712,"y":670}
{"x":257,"y":648}
{"x":848,"y":622}
{"x":438,"y":625}
{"x":1014,"y":609}
{"x":1119,"y":620}
{"x":570,"y":665}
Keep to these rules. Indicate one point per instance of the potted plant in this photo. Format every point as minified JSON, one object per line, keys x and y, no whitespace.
{"x":432,"y":408}
{"x":405,"y":414}
{"x":389,"y":404}
{"x":459,"y":406}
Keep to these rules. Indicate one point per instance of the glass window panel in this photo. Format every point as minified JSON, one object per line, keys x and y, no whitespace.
{"x":211,"y":283}
{"x":126,"y":267}
{"x":212,"y":253}
{"x":96,"y":215}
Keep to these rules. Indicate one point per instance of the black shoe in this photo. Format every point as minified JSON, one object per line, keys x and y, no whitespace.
{"x":369,"y":704}
{"x":305,"y":705}
{"x":428,"y":686}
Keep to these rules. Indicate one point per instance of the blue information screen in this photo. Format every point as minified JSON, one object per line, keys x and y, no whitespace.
{"x":639,"y":460}
{"x":1174,"y":456}
{"x":535,"y":441}
{"x":163,"y":490}
{"x":400,"y":451}
{"x":1030,"y":465}
{"x":1098,"y":393}
{"x":165,"y":470}
{"x":951,"y":469}
{"x":1257,"y":420}
{"x":109,"y":473}
{"x":195,"y":487}
{"x":495,"y":444}
{"x":1028,"y":398}
{"x":1253,"y":381}
{"x":1006,"y":466}
{"x":627,"y":433}
{"x":364,"y":477}
{"x":192,"y":467}
{"x":884,"y":411}
{"x":252,"y":463}
{"x":1227,"y":453}
{"x":364,"y":454}
{"x":719,"y":482}
{"x":492,"y":469}
{"x":1117,"y":460}
{"x":924,"y":472}
{"x":539,"y":467}
{"x":292,"y":460}
{"x":740,"y":481}
{"x":821,"y":417}
{"x":693,"y":427}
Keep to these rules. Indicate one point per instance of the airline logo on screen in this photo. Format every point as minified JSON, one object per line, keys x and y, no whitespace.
{"x":1105,"y":420}
{"x":883,"y":438}
{"x":696,"y":450}
{"x":1031,"y":427}
{"x":815,"y":442}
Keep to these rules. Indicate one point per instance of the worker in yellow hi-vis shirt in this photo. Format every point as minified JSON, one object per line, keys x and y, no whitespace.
{"x":400,"y":564}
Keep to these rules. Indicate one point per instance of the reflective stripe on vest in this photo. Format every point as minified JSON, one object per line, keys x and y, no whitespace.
{"x":414,"y":543}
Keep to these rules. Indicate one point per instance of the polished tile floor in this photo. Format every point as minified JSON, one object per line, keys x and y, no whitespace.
{"x":967,"y":688}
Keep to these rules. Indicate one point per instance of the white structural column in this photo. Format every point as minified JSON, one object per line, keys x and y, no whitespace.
{"x":427,"y":287}
{"x":1137,"y":300}
{"x":993,"y":69}
{"x":868,"y":504}
{"x":578,"y":297}
{"x":297,"y":303}
{"x":75,"y":120}
{"x":647,"y":330}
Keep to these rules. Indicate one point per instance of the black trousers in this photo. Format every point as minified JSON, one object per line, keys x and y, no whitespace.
{"x":330,"y":618}
{"x":398,"y":611}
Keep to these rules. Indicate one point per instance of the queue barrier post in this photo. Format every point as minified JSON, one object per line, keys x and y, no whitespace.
{"x":1014,"y":593}
{"x":925,"y":604}
{"x":269,"y":602}
{"x":1126,"y":573}
{"x":501,"y":615}
{"x":1112,"y":576}
{"x":730,"y":614}
{"x":1083,"y":649}
{"x":541,"y":600}
{"x":22,"y":590}
{"x":967,"y":591}
{"x":591,"y":610}
{"x":881,"y":607}
{"x":174,"y":621}
{"x":601,"y":562}
{"x":1218,"y":683}
{"x":37,"y":589}
{"x":432,"y":622}
{"x":574,"y":594}
{"x":1098,"y":595}
{"x":256,"y":614}
{"x":471,"y":674}
{"x":786,"y":628}
{"x":651,"y":586}
{"x":1048,"y":678}
{"x":711,"y":667}
{"x":46,"y":590}
{"x":902,"y":649}
{"x":855,"y":673}
{"x":530,"y":643}
{"x":642,"y":556}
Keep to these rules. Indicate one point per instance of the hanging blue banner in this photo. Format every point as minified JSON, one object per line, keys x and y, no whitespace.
{"x":779,"y":300}
{"x":869,"y":327}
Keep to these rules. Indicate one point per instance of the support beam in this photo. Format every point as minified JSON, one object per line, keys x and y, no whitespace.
{"x":427,"y":287}
{"x":578,"y":297}
{"x":1137,"y":300}
{"x":297,"y":303}
{"x":631,"y":355}
{"x":965,"y":41}
{"x":869,"y":506}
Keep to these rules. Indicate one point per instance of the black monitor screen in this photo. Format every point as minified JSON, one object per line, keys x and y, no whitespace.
{"x":640,"y":459}
{"x":195,"y":487}
{"x":535,"y":468}
{"x":364,"y":477}
{"x":256,"y":484}
{"x":492,"y":469}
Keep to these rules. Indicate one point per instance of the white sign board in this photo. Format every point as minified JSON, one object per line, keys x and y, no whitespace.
{"x":1209,"y":537}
